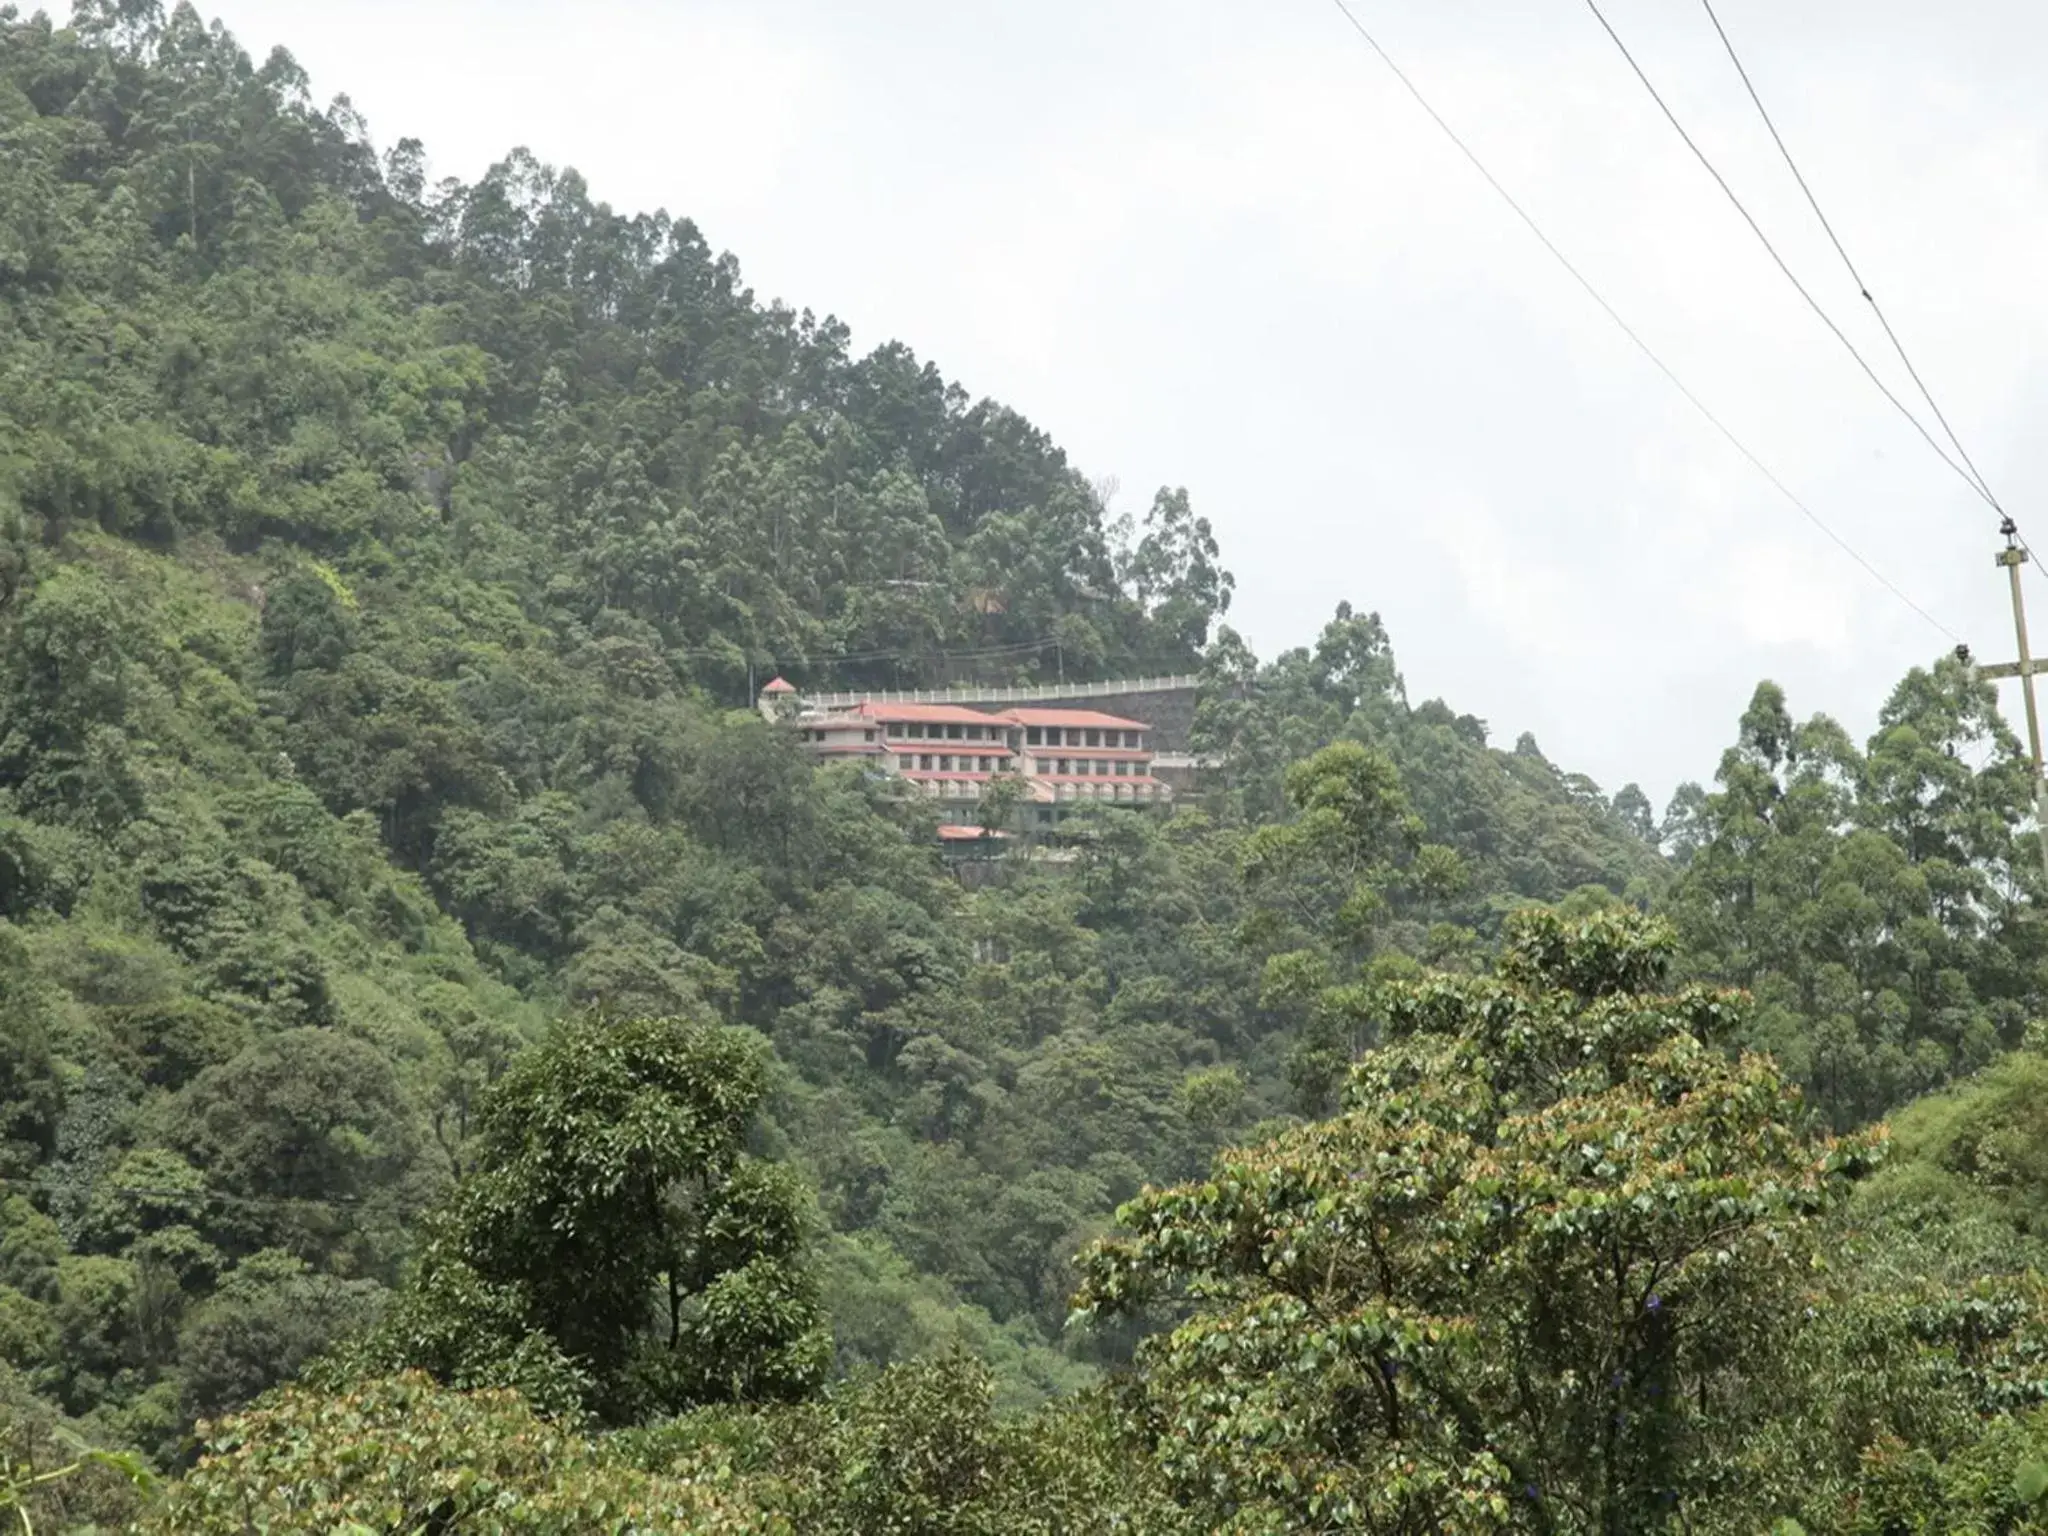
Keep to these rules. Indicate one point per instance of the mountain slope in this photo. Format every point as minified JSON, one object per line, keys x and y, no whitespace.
{"x":378,"y":564}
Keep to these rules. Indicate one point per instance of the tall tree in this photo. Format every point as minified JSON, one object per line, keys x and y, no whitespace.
{"x":614,"y":1211}
{"x":1534,"y":1277}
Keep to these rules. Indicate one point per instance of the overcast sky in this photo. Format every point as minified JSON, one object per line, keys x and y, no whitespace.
{"x":1215,"y":245}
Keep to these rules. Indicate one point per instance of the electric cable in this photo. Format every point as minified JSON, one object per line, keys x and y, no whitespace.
{"x":1967,"y":476}
{"x":1628,"y":330}
{"x":1863,"y":288}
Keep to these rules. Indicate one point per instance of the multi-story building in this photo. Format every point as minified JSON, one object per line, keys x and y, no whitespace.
{"x":1074,"y":755}
{"x":1063,"y":757}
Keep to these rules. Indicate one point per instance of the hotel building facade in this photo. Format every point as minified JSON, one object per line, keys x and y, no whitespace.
{"x":1061,"y":757}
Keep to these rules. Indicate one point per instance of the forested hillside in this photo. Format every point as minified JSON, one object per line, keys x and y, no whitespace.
{"x":425,"y":978}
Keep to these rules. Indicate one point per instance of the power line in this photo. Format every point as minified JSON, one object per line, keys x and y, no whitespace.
{"x":1968,"y":476}
{"x":1863,"y":288}
{"x":1628,"y":330}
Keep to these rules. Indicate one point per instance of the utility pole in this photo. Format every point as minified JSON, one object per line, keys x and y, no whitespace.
{"x":2012,"y":557}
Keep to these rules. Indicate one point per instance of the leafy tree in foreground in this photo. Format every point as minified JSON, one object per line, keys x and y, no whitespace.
{"x":405,"y":1455}
{"x":615,"y":1215}
{"x":920,"y":1450}
{"x":1534,"y":1277}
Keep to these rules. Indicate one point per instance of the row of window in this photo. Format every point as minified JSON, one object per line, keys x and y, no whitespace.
{"x":1143,"y":791}
{"x":971,"y":789}
{"x":823,"y":736}
{"x":915,"y":731}
{"x":1051,"y":736}
{"x":1034,"y":736}
{"x":926,"y":762}
{"x":1101,"y":767}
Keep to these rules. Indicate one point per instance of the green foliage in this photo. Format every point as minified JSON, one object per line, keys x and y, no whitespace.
{"x":1520,"y":829}
{"x":400,"y":1454}
{"x":1321,"y":883}
{"x":613,"y":1210}
{"x":1876,"y":902}
{"x":916,"y":1450}
{"x":261,"y":1326}
{"x":1535,"y":1273}
{"x":53,"y":1477}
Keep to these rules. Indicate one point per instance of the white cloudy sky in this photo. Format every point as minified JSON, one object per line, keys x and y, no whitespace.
{"x":1214,"y":244}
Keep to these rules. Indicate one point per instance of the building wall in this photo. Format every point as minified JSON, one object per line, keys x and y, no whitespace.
{"x":1165,"y":704}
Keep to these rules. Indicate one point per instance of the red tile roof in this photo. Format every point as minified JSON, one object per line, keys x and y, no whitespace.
{"x":965,"y":834}
{"x":1077,"y":717}
{"x":779,"y":685}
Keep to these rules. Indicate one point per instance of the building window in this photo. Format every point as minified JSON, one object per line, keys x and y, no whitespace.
{"x":953,"y":733}
{"x":1002,"y":765}
{"x":925,"y":763}
{"x":1044,"y":815}
{"x":906,"y":763}
{"x":1033,"y":737}
{"x":1094,"y":739}
{"x":1064,"y":765}
{"x":867,"y":735}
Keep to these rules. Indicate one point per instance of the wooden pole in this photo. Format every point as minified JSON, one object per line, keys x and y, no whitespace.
{"x":2012,"y":558}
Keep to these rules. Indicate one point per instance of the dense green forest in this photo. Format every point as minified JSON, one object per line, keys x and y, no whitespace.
{"x":463,"y":1069}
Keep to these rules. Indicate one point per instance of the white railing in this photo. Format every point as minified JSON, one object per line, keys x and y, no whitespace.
{"x":1042,"y":692}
